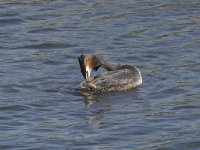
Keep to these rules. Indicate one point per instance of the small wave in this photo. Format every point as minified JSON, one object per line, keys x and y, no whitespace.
{"x":10,"y":21}
{"x":52,"y":62}
{"x":14,"y":108}
{"x":49,"y":46}
{"x":190,"y":107}
{"x":43,"y":30}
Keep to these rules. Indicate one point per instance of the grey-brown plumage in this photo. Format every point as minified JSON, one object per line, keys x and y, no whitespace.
{"x":118,"y":76}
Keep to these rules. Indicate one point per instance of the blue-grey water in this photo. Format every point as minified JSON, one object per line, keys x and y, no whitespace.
{"x":41,"y":106}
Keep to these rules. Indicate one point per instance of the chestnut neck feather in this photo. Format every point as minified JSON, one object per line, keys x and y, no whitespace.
{"x":96,"y":62}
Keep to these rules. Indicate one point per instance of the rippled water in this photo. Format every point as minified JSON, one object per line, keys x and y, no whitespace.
{"x":41,"y":106}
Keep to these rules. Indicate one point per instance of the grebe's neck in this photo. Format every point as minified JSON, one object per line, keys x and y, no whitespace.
{"x":109,"y":66}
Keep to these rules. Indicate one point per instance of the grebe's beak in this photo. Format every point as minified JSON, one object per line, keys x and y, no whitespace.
{"x":82,"y":65}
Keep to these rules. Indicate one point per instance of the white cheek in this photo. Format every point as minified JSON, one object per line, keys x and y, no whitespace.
{"x":89,"y":71}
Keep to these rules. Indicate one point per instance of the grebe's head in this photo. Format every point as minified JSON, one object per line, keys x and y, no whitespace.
{"x":88,"y":64}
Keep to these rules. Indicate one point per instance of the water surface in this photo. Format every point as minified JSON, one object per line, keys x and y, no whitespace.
{"x":41,"y":106}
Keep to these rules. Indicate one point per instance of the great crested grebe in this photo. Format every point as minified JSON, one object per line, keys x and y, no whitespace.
{"x":118,"y":76}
